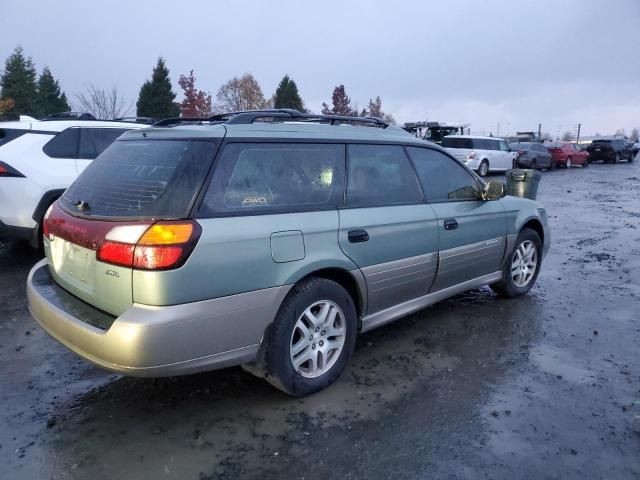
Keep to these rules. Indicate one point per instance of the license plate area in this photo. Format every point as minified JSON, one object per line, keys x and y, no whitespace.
{"x":73,"y":264}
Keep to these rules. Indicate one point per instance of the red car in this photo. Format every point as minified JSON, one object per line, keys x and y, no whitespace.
{"x":565,"y":154}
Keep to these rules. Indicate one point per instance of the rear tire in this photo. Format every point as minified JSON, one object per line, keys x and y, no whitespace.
{"x":552,"y":165}
{"x":318,"y":322}
{"x":521,"y":267}
{"x":483,"y":169}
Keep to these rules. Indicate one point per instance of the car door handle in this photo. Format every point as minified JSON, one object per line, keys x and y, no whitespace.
{"x":450,"y":224}
{"x":357,"y":236}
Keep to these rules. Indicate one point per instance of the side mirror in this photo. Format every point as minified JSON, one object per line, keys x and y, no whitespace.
{"x":493,"y":190}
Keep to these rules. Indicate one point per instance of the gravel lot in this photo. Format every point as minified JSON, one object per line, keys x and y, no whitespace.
{"x":544,"y":386}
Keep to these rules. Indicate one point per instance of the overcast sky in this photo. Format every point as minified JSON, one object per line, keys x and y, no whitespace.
{"x":480,"y":62}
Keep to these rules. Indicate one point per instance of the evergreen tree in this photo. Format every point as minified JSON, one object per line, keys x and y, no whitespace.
{"x":287,"y":95}
{"x":49,"y":99}
{"x":156,"y":97}
{"x":19,"y":82}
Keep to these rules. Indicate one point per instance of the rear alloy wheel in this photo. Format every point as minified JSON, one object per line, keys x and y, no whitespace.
{"x":568,"y":162}
{"x":483,"y":169}
{"x":312,"y":338}
{"x":522,"y":267}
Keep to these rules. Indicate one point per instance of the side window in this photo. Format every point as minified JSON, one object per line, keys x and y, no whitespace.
{"x":9,"y":134}
{"x":442,"y":178}
{"x":94,"y":140}
{"x":63,"y":145}
{"x":502,"y":145}
{"x":276,"y":177}
{"x":380,"y":175}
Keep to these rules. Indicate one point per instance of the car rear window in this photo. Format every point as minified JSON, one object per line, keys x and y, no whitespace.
{"x":602,"y":141}
{"x":9,"y":134}
{"x":455,"y":142}
{"x":142,"y":179}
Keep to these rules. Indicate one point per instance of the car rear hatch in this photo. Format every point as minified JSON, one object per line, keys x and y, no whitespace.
{"x":600,"y":147}
{"x":461,"y":148}
{"x":128,"y":210}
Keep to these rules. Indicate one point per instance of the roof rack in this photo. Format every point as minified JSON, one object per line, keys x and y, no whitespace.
{"x":272,"y":115}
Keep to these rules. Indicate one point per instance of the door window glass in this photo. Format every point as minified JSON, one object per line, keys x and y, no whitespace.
{"x":63,"y":145}
{"x":94,"y":140}
{"x":443,"y":179}
{"x":380,"y":175}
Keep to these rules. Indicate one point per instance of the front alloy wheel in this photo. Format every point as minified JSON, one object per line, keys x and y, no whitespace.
{"x":521,"y":269}
{"x":524,"y":264}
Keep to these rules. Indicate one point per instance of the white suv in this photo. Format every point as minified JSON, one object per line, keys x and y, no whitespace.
{"x":482,"y":154}
{"x":39,"y":159}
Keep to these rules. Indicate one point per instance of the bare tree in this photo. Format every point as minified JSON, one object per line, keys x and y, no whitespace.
{"x":242,"y":93}
{"x":567,"y":136}
{"x":102,"y":103}
{"x":633,"y":136}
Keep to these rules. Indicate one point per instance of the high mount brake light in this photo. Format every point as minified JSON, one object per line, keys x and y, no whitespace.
{"x":161,"y":246}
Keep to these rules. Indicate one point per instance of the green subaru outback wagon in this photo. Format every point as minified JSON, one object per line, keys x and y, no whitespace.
{"x":269,"y":239}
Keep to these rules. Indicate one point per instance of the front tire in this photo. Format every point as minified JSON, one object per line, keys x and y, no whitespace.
{"x":568,"y":163}
{"x":312,"y":337}
{"x":522,"y":267}
{"x":483,"y":169}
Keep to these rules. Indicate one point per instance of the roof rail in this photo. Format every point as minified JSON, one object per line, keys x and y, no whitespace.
{"x":70,"y":116}
{"x":145,"y":120}
{"x":282,"y":114}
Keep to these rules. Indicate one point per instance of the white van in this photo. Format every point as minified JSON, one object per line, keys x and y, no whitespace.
{"x":482,"y":154}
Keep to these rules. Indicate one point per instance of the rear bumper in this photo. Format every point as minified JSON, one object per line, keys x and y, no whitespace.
{"x":155,"y":341}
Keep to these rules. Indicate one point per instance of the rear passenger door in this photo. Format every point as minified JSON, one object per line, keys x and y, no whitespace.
{"x":92,"y":143}
{"x":386,"y":228}
{"x":472,"y":232}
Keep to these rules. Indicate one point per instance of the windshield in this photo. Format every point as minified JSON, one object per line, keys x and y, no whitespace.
{"x":141,"y":179}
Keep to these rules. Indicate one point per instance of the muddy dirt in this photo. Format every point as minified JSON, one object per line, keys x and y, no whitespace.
{"x":544,"y":386}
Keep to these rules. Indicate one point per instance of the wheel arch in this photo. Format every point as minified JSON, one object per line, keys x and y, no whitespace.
{"x":535,"y":225}
{"x":352,"y":281}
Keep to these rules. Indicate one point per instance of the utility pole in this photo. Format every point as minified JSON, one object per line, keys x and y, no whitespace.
{"x":539,"y":132}
{"x":578,"y":136}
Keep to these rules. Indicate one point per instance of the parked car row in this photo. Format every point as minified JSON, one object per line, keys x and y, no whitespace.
{"x":491,"y":154}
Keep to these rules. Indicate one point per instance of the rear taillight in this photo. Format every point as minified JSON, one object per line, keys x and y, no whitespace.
{"x":45,"y":222}
{"x":160,"y":246}
{"x":471,"y":156}
{"x":8,"y":171}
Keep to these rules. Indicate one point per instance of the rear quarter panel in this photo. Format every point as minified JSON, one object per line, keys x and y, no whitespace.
{"x":234,"y":255}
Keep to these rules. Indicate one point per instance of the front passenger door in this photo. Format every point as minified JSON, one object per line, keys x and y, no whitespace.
{"x":471,"y":231}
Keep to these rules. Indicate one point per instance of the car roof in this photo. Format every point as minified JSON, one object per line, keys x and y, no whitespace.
{"x":285,"y":130}
{"x":60,"y":125}
{"x":474,"y":137}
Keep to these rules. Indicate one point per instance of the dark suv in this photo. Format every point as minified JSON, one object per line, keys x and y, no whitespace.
{"x":610,"y":150}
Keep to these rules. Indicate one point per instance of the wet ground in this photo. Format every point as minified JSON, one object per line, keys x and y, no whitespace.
{"x":544,"y":386}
